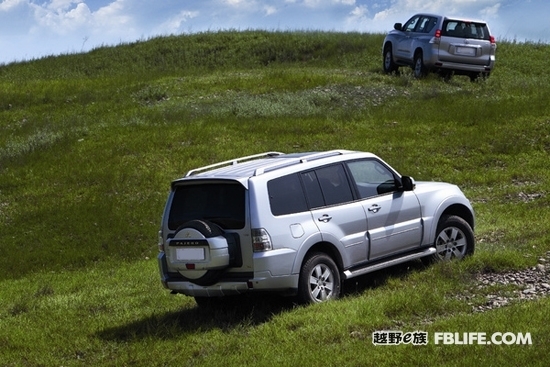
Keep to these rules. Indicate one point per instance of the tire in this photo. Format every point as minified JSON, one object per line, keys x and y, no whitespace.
{"x":319,"y":279}
{"x":454,"y":239}
{"x":208,"y":230}
{"x":446,"y":75}
{"x":474,"y":77}
{"x":387,"y":61}
{"x":419,"y":69}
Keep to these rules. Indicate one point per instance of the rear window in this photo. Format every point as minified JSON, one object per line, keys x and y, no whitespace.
{"x":220,"y":203}
{"x":463,"y":29}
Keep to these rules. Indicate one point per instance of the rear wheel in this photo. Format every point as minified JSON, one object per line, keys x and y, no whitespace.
{"x":446,"y":75}
{"x":419,"y":68}
{"x":474,"y":77}
{"x":319,"y":279}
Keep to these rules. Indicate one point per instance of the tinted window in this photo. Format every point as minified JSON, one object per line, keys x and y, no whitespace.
{"x":371,"y":178}
{"x":286,"y":195}
{"x":220,"y":203}
{"x":313,"y":190}
{"x":461,"y":29}
{"x":426,"y":24}
{"x":334,"y":184}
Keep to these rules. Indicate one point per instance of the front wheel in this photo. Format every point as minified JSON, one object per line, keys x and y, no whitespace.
{"x":319,"y":279}
{"x":454,"y":240}
{"x":389,"y":65}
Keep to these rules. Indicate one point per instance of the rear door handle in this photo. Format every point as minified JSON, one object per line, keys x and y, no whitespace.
{"x":325,"y":218}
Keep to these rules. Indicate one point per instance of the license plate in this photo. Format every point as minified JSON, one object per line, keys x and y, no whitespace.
{"x":466,"y":51}
{"x":190,"y":254}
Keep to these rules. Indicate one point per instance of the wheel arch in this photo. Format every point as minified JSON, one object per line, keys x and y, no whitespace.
{"x":321,"y":246}
{"x":460,"y":211}
{"x":439,"y":208}
{"x":419,"y":50}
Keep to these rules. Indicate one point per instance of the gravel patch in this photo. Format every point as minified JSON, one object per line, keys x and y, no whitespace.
{"x":521,"y":285}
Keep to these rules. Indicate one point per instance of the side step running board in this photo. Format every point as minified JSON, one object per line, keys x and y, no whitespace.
{"x":369,"y":269}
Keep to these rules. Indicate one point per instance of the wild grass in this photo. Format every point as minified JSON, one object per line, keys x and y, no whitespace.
{"x":90,"y":142}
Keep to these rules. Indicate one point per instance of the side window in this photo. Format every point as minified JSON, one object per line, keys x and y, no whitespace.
{"x":371,"y":178}
{"x":450,"y":28}
{"x":426,"y":24}
{"x":411,"y":24}
{"x":334,"y":184}
{"x":286,"y":195}
{"x":313,"y":190}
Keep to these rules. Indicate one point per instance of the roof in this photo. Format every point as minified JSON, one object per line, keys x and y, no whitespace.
{"x":255,"y":165}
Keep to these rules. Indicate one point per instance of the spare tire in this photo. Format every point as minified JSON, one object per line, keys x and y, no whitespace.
{"x":201,"y":268}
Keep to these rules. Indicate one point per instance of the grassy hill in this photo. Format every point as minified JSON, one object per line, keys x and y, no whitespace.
{"x":90,"y":142}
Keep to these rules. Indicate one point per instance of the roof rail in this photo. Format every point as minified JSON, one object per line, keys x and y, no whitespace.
{"x":303,"y":159}
{"x":232,"y":162}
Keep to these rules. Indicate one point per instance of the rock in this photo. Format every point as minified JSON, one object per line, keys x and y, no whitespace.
{"x":535,"y":282}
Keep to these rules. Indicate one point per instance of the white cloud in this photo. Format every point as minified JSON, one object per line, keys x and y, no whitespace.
{"x":327,"y":3}
{"x":241,"y":3}
{"x":67,"y":17}
{"x":359,"y":15}
{"x":490,"y":12}
{"x":60,"y":5}
{"x":270,"y":10}
{"x":401,"y":10}
{"x":174,"y":24}
{"x":60,"y":18}
{"x":114,"y":16}
{"x":8,"y":5}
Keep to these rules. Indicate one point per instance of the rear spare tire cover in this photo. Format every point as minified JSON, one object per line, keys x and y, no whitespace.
{"x":198,"y":234}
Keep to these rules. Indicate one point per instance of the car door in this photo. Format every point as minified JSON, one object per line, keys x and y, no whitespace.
{"x":340,"y":219}
{"x":393,"y":216}
{"x":406,"y":39}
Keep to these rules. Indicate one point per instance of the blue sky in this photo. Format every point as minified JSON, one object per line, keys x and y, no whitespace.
{"x":32,"y":29}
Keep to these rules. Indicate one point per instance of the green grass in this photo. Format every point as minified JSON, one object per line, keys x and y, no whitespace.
{"x":90,"y":142}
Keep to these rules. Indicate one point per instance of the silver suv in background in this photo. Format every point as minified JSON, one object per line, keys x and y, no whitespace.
{"x":301,"y":223}
{"x":429,"y":42}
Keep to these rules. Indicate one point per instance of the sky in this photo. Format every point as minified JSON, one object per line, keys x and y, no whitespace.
{"x":32,"y":29}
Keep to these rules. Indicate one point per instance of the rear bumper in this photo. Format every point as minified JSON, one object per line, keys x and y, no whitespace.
{"x":435,"y":63}
{"x":254,"y":282}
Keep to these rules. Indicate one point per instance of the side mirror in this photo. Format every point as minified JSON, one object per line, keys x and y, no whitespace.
{"x":398,"y":26}
{"x":407,"y":183}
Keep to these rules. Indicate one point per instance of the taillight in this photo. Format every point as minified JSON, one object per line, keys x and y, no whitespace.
{"x":261,"y":240}
{"x":161,"y":242}
{"x":492,"y":39}
{"x":437,"y":37}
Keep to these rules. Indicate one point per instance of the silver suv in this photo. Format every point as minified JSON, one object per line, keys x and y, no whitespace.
{"x":301,"y":223}
{"x":429,"y":42}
